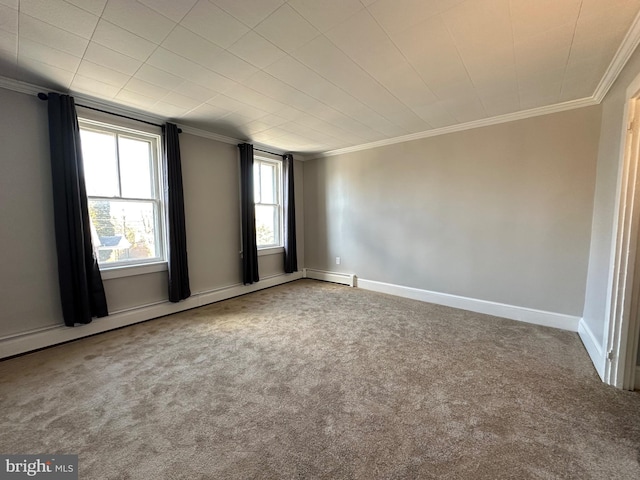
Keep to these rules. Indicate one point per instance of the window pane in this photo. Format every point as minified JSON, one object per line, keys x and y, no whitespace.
{"x":267,"y":228}
{"x":100,"y":163}
{"x":267,"y":183}
{"x":126,"y":231}
{"x":135,"y":168}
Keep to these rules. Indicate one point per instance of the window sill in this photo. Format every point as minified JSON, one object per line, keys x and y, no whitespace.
{"x":270,"y":251}
{"x":132,"y":270}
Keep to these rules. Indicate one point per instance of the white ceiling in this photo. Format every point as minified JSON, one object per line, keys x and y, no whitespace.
{"x":310,"y":75}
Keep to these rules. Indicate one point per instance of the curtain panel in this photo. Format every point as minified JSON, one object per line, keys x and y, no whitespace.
{"x":290,"y":247}
{"x":248,"y":216}
{"x":81,"y":288}
{"x":174,"y":211}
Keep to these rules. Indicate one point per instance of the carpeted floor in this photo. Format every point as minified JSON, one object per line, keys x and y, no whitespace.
{"x":313,"y":380}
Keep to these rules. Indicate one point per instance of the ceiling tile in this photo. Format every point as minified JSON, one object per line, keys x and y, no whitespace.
{"x":187,"y":103}
{"x":168,"y":110}
{"x":147,"y":89}
{"x":113,"y":37}
{"x":256,"y":50}
{"x":95,"y":7}
{"x":546,"y":81}
{"x":479,"y":26}
{"x":158,"y":77}
{"x":464,"y":110}
{"x":429,"y":44}
{"x":493,"y":83}
{"x":102,"y":74}
{"x":8,"y":19}
{"x":227,"y":103}
{"x":175,"y":10}
{"x":274,"y":88}
{"x":45,"y":34}
{"x":598,"y":7}
{"x":435,"y":115}
{"x":398,"y":15}
{"x":207,"y":112}
{"x":325,"y":58}
{"x":62,"y":15}
{"x":501,"y":104}
{"x":249,"y":12}
{"x":195,"y":91}
{"x":111,"y":59}
{"x":138,"y":19}
{"x":174,"y":64}
{"x":360,"y":32}
{"x":287,"y":29}
{"x":302,"y":78}
{"x":257,"y":99}
{"x":406,"y":85}
{"x":45,"y":75}
{"x":189,"y":45}
{"x":233,"y":67}
{"x":135,"y":99}
{"x":532,"y":18}
{"x":93,"y":87}
{"x":328,"y":13}
{"x":8,"y":44}
{"x":28,"y":49}
{"x":214,"y":24}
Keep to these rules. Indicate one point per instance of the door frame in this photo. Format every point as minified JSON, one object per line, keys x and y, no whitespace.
{"x":623,"y":323}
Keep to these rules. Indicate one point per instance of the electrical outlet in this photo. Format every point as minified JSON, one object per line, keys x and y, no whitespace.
{"x":338,"y":260}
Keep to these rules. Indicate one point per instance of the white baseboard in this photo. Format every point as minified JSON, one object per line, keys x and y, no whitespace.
{"x":46,"y":337}
{"x":594,"y":349}
{"x":522,"y":314}
{"x":343,"y":278}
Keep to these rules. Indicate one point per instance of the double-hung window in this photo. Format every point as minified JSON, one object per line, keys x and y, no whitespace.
{"x":267,"y":186}
{"x":122,"y":177}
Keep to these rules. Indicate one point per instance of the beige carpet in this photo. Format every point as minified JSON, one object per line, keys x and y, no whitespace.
{"x":313,"y":380}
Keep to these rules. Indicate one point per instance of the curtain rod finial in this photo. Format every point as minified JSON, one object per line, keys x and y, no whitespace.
{"x":43,"y":96}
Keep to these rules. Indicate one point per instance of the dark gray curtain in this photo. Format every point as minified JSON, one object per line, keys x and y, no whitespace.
{"x":81,"y":289}
{"x":290,"y":248}
{"x":248,"y":214}
{"x":174,"y":205}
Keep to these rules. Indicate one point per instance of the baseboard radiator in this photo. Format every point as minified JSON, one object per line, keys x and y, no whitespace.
{"x":342,"y":278}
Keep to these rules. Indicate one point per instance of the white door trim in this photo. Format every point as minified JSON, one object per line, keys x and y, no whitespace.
{"x":622,"y":324}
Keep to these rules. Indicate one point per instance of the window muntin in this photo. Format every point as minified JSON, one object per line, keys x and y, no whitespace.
{"x":267,"y":192}
{"x":122,"y":177}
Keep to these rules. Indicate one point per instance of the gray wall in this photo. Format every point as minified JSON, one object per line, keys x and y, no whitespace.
{"x":29,"y":292}
{"x":500,"y":213}
{"x":604,"y":207}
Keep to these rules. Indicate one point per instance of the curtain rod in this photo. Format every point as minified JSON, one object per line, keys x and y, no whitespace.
{"x":270,"y":153}
{"x":44,"y":96}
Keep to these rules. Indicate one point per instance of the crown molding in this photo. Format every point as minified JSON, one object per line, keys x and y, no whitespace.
{"x":485,"y":122}
{"x":620,"y":59}
{"x":21,"y":87}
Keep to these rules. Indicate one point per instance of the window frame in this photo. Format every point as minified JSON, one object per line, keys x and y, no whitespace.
{"x":145,"y":265}
{"x":279,"y":246}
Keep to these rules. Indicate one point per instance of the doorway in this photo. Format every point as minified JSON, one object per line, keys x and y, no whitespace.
{"x":623,"y":330}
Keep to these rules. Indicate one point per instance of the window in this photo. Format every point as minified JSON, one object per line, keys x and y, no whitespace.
{"x":267,"y":186}
{"x":123,"y":188}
